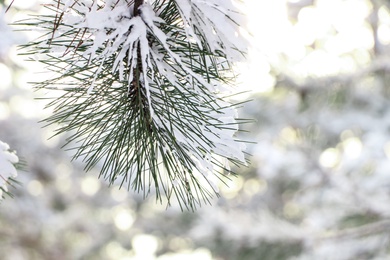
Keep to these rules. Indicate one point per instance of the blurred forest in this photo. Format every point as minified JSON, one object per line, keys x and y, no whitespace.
{"x":318,"y":186}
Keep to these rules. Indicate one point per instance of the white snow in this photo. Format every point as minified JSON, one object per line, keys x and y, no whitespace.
{"x":7,"y":168}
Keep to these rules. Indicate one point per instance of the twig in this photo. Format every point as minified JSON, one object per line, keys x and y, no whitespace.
{"x":382,"y":226}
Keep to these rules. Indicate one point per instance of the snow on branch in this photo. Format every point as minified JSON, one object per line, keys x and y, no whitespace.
{"x":7,"y":169}
{"x":144,"y":86}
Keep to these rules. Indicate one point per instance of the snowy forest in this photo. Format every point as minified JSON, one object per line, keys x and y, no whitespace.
{"x":312,"y":174}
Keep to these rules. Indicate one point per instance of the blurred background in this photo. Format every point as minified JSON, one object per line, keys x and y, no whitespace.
{"x":318,"y":186}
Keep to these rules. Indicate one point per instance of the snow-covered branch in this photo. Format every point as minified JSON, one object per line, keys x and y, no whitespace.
{"x":147,"y":80}
{"x":8,"y":160}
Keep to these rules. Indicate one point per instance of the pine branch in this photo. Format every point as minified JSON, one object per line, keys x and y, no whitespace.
{"x":8,"y":163}
{"x":141,"y":96}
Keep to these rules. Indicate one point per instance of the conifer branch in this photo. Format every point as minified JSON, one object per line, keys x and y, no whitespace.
{"x":142,"y":94}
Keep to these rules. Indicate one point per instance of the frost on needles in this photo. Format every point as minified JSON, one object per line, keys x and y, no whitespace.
{"x":8,"y":171}
{"x":142,"y":89}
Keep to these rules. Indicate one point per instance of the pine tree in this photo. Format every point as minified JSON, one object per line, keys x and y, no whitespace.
{"x":142,"y":90}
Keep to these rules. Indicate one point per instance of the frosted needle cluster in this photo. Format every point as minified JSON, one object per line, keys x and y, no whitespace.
{"x":7,"y":169}
{"x":142,"y":89}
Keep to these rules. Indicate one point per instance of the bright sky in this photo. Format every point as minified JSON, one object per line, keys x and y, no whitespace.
{"x":342,"y":38}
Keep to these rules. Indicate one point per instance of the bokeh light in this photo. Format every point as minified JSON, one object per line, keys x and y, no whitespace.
{"x":318,"y":179}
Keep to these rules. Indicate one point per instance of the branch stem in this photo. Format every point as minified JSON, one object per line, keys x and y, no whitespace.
{"x":137,"y":4}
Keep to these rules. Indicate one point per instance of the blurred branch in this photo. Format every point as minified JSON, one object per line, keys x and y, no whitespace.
{"x":374,"y":22}
{"x":378,"y":227}
{"x":380,"y":64}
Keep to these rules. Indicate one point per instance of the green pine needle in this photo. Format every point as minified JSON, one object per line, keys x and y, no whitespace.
{"x":150,"y":138}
